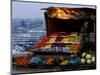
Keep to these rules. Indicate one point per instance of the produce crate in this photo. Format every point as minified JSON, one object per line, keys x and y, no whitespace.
{"x":23,"y":61}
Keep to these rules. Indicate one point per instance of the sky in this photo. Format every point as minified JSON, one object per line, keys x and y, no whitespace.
{"x":32,"y":10}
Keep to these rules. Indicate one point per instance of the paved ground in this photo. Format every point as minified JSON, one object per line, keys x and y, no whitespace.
{"x":17,"y":70}
{"x":29,"y":70}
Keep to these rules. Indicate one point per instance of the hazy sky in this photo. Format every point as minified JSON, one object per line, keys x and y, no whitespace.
{"x":32,"y":10}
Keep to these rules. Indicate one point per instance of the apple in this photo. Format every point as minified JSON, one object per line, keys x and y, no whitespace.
{"x":88,"y":56}
{"x":93,"y":59}
{"x":89,"y":61}
{"x":83,"y":54}
{"x":83,"y":61}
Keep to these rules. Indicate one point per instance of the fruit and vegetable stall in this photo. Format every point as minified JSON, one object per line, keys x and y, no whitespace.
{"x":70,"y":43}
